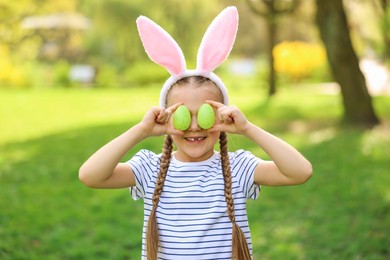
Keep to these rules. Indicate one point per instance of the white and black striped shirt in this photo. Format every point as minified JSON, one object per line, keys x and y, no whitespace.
{"x":192,"y":213}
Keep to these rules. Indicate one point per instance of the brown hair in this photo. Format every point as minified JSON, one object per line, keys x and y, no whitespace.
{"x":240,"y":250}
{"x":197,"y":81}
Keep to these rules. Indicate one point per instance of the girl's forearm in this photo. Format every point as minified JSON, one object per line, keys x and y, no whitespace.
{"x":290,"y":162}
{"x":101,"y":164}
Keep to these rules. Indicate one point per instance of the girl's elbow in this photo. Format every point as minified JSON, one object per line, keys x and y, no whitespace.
{"x":307,"y":172}
{"x":84,"y":177}
{"x":302,"y":174}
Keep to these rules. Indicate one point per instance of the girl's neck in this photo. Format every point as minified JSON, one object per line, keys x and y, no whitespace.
{"x":177,"y":156}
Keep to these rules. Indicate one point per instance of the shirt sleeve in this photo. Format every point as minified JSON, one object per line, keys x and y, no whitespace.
{"x":144,"y":165}
{"x":243,"y":165}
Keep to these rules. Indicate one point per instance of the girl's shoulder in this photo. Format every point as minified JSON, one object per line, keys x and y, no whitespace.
{"x":147,"y":153}
{"x":241,"y":154}
{"x":146,"y":156}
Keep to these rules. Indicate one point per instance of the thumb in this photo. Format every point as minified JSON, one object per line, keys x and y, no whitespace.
{"x":175,"y":132}
{"x":217,"y":128}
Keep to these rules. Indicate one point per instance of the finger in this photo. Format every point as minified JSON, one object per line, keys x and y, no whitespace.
{"x":161,"y":117}
{"x":215,"y":104}
{"x":165,"y":113}
{"x":224,"y":115}
{"x":220,"y":113}
{"x":226,"y":110}
{"x":227,"y":119}
{"x":165,"y":116}
{"x":214,"y":129}
{"x":173,"y":108}
{"x":217,"y":128}
{"x":173,"y":131}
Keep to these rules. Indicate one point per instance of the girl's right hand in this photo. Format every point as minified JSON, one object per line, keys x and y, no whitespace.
{"x":157,"y":121}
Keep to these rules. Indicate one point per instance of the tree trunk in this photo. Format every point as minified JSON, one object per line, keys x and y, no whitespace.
{"x":344,"y":64}
{"x":272,"y":41}
{"x":385,"y":28}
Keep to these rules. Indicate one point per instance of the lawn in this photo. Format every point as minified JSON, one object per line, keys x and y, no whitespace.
{"x":343,"y":212}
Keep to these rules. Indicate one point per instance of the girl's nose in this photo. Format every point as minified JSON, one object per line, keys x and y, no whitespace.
{"x":194,"y":123}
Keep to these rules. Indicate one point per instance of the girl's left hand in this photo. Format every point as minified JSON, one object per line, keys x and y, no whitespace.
{"x":228,"y":119}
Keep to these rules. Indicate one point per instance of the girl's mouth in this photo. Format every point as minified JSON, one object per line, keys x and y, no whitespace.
{"x":194,"y":139}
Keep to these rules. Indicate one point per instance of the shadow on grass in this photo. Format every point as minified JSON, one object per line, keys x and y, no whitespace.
{"x":47,"y":212}
{"x":341,"y":213}
{"x":343,"y":210}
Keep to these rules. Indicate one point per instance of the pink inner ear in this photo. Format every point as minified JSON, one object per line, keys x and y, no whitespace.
{"x":218,"y":40}
{"x":160,"y":46}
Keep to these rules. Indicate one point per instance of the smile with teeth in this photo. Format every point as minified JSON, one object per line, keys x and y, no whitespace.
{"x":195,"y":139}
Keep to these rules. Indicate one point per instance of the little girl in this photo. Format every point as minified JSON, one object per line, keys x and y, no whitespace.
{"x":194,"y":197}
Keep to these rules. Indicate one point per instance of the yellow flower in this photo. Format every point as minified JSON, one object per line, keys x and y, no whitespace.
{"x":298,"y":59}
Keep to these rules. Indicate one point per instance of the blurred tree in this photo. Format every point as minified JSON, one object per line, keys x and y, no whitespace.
{"x":60,"y":33}
{"x":367,"y":25}
{"x":385,"y":14}
{"x":187,"y":22}
{"x":251,"y":40}
{"x":115,"y":37}
{"x":112,"y":36}
{"x":271,"y":10}
{"x":344,"y":64}
{"x":12,"y":14}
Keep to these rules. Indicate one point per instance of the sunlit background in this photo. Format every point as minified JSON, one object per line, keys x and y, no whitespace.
{"x":74,"y":75}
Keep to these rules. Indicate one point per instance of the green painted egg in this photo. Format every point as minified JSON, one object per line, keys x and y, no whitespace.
{"x":206,"y":116}
{"x":182,"y":118}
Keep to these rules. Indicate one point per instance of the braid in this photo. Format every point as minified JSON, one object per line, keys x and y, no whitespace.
{"x":227,"y":176}
{"x":240,"y":249}
{"x":152,"y":237}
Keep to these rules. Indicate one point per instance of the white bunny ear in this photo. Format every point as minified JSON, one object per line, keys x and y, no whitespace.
{"x":218,"y":40}
{"x":160,"y":46}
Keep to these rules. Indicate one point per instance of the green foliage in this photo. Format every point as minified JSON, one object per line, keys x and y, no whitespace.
{"x":141,"y":73}
{"x":11,"y":75}
{"x":107,"y":76}
{"x":110,"y":44}
{"x":113,"y":40}
{"x":61,"y":73}
{"x":114,"y":37}
{"x":341,"y":213}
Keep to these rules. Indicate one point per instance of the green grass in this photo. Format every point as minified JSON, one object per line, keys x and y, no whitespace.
{"x":343,"y":212}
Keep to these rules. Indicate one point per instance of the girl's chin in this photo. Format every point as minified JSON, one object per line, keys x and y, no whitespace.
{"x":193,"y":156}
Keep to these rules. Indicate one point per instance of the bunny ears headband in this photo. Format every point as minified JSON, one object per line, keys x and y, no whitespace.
{"x":215,"y":47}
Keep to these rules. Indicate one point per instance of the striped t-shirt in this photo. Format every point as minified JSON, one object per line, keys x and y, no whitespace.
{"x":192,"y":213}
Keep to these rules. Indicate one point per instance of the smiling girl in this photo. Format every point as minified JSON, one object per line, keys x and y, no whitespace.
{"x":194,"y":197}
